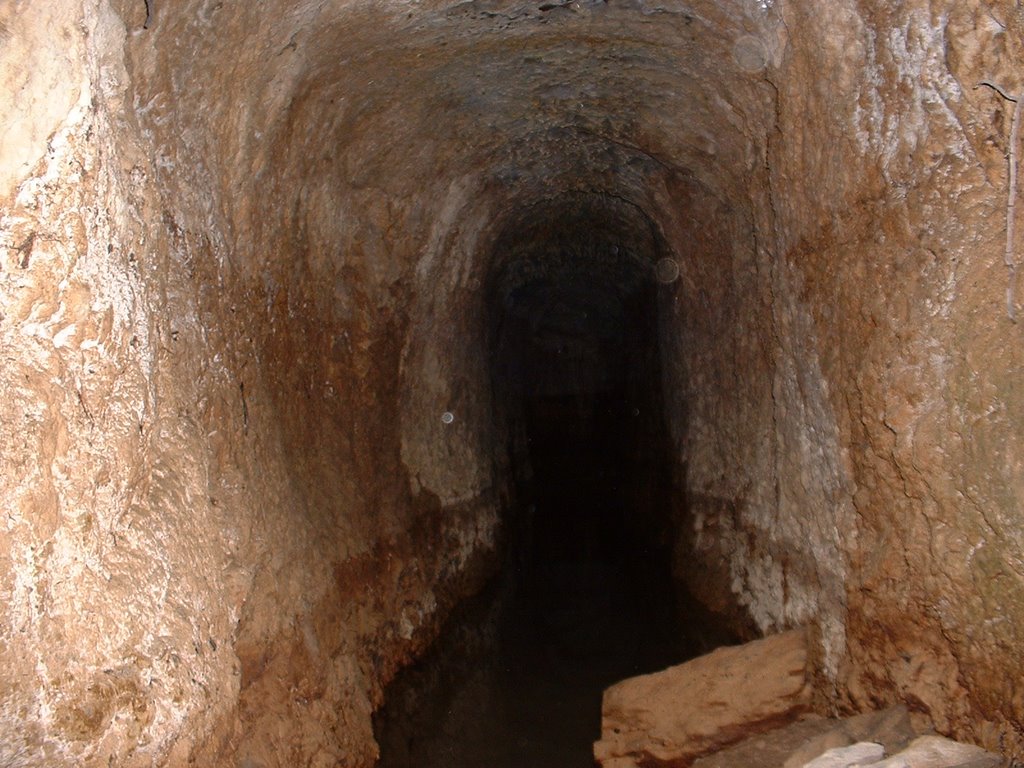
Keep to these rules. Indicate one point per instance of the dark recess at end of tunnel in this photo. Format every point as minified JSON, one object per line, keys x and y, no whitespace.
{"x":585,"y":596}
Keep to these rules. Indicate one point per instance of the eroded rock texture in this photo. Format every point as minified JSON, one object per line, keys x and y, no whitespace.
{"x":253,"y":252}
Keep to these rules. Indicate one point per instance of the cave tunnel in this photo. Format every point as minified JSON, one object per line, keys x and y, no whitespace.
{"x":574,"y":359}
{"x":585,"y":596}
{"x":327,"y":324}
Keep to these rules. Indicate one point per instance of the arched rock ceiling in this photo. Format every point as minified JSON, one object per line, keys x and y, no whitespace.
{"x":598,"y":250}
{"x":532,"y":99}
{"x":537,"y":90}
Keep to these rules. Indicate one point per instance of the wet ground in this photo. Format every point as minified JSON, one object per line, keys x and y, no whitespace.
{"x":516,"y":678}
{"x":516,"y":682}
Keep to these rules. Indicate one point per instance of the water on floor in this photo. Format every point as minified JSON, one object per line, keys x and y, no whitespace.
{"x":516,"y":678}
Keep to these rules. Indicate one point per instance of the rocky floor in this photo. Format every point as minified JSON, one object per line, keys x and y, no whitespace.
{"x":745,"y":706}
{"x":884,"y":739}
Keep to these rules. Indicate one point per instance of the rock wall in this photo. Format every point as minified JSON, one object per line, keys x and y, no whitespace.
{"x":214,"y":552}
{"x":929,"y":406}
{"x":884,"y":504}
{"x":249,"y":251}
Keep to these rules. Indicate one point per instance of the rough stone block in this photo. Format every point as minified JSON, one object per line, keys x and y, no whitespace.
{"x":674,"y":716}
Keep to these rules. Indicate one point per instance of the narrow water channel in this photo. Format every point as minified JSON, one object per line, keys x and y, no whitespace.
{"x":584,"y":601}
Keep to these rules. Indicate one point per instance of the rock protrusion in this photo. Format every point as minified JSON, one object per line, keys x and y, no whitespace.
{"x":674,"y":716}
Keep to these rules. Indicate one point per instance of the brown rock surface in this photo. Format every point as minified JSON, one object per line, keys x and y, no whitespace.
{"x":675,"y":716}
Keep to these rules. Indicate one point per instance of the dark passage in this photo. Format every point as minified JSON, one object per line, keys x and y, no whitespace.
{"x":585,"y":597}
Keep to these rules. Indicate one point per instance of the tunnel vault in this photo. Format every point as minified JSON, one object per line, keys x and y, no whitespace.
{"x":257,"y":257}
{"x":572,"y":317}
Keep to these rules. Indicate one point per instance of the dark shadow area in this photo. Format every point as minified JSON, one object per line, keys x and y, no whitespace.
{"x":585,"y":597}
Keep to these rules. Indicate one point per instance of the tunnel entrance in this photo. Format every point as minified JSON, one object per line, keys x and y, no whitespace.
{"x":585,"y":596}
